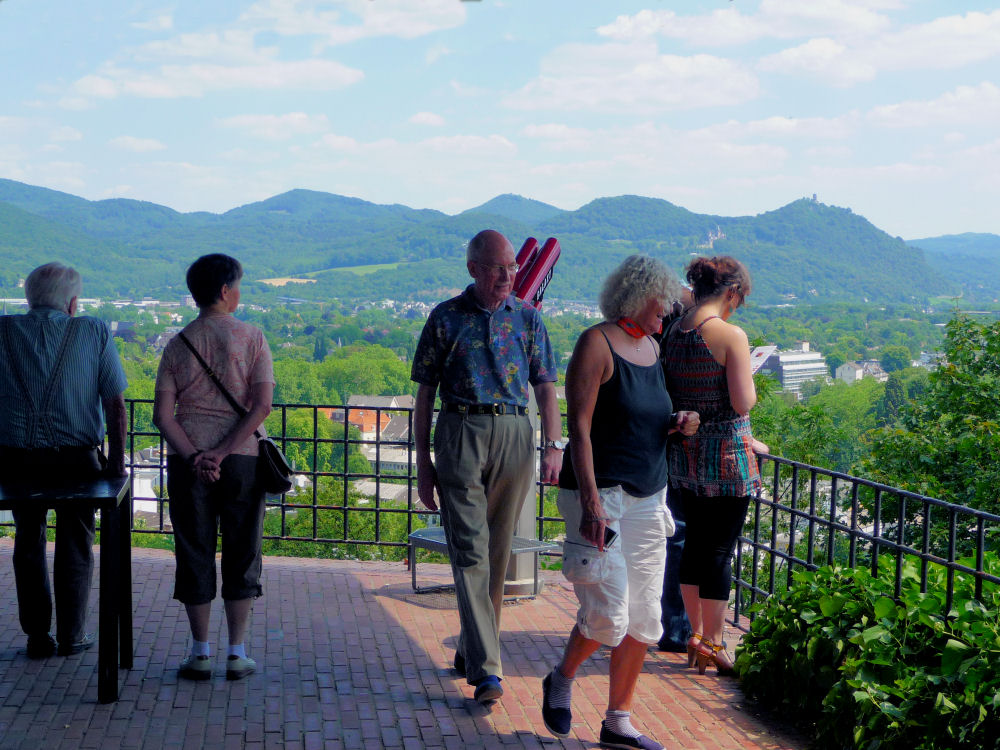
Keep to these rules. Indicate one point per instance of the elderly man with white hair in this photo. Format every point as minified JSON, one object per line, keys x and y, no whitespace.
{"x":60,"y":379}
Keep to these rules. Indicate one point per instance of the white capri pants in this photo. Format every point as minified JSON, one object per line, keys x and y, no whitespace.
{"x":619,"y":589}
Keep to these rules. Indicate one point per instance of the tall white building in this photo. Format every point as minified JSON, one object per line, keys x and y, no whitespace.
{"x":794,"y":367}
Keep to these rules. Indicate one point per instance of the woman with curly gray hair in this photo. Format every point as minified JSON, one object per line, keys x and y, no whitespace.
{"x":613,"y":484}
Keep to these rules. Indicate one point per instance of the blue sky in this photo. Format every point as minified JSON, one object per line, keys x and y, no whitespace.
{"x":732,"y":107}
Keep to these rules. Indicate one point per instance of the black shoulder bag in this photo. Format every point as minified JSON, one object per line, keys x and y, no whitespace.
{"x":273,"y":470}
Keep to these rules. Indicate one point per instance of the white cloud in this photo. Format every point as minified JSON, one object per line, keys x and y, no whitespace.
{"x":339,"y":142}
{"x":98,"y":87}
{"x":633,"y":76}
{"x":162,"y":22}
{"x":244,"y":156}
{"x":465,"y":89}
{"x":948,"y":42}
{"x":471,"y":145}
{"x":9,"y":126}
{"x":278,"y":127}
{"x":136,"y":145}
{"x":944,"y":43}
{"x":561,"y":137}
{"x":354,"y":19}
{"x":826,"y":128}
{"x":59,"y":175}
{"x":116,"y":191}
{"x":65,"y":134}
{"x":427,"y":118}
{"x":176,"y":81}
{"x":897,"y":173}
{"x":829,"y":152}
{"x":966,"y":105}
{"x":824,"y":58}
{"x":234,"y":46}
{"x":783,"y":19}
{"x":435,"y":53}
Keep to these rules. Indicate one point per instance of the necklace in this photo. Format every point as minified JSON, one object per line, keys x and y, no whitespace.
{"x":632,"y":329}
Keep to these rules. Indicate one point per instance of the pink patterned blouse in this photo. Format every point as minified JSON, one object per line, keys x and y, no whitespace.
{"x":238,"y":353}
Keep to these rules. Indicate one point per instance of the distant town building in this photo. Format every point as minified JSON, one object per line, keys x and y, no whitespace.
{"x":794,"y":367}
{"x":372,"y":415}
{"x":873,"y":369}
{"x":850,"y":372}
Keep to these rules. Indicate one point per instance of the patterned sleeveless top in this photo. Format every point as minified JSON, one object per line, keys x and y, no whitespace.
{"x":718,"y":460}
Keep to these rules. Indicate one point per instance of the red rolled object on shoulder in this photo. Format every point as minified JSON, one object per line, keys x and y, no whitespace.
{"x":525,"y":258}
{"x":531,"y":285}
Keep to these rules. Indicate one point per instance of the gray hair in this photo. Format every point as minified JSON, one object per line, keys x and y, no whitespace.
{"x":638,"y":279}
{"x":52,"y":285}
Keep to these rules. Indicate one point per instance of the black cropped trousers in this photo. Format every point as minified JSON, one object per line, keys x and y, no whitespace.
{"x":713,"y":526}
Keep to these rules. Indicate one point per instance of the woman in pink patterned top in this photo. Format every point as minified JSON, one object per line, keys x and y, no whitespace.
{"x":212,"y":459}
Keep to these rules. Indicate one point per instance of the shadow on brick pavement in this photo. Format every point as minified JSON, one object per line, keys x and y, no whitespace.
{"x":349,"y":657}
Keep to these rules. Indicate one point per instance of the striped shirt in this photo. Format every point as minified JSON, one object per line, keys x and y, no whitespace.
{"x":718,"y":460}
{"x":91,"y":371}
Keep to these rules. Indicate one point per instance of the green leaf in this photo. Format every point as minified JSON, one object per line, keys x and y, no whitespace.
{"x":885,"y":608}
{"x":830,"y":605}
{"x":952,"y":656}
{"x":874,"y":633}
{"x":809,"y":616}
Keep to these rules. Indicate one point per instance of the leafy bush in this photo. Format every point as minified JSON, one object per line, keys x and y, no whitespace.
{"x":863,"y":670}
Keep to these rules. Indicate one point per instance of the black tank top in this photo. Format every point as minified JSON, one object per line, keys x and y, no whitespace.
{"x":628,"y":433}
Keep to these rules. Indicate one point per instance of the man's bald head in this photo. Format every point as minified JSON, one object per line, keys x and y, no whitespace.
{"x":491,"y":263}
{"x":488,"y":242}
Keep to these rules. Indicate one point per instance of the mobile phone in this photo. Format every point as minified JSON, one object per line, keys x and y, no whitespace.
{"x":609,"y":536}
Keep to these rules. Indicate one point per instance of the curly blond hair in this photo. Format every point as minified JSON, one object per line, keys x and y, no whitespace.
{"x":633,"y":283}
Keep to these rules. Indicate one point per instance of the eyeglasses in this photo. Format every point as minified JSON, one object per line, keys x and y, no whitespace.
{"x":511,"y":269}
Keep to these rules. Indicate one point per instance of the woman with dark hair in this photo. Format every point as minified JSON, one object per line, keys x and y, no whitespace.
{"x":706,"y":361}
{"x":212,"y":459}
{"x":612,"y":492}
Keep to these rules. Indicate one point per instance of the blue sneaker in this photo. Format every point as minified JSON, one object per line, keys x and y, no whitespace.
{"x":610,"y":738}
{"x":557,"y":720}
{"x":488,"y":690}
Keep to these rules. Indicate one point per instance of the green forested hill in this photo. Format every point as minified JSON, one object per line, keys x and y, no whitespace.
{"x":518,"y":208}
{"x":803,"y":251}
{"x":970,"y":261}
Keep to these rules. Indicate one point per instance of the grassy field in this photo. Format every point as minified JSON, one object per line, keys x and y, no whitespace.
{"x":357,"y":270}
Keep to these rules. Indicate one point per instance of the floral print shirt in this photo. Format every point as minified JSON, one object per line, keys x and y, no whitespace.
{"x":483,"y":357}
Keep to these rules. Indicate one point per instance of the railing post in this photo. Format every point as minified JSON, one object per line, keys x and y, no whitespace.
{"x":520,"y":578}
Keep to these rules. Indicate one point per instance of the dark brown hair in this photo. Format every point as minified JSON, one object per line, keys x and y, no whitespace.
{"x":208,"y":274}
{"x":709,"y":277}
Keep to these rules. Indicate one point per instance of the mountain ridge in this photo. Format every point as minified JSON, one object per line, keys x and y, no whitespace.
{"x":804,"y":250}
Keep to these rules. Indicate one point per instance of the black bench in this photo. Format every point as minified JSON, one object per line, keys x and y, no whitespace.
{"x":113,"y":499}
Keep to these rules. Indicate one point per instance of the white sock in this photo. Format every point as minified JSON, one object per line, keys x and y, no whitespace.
{"x":238,"y":650}
{"x":560,"y":689}
{"x":620,"y":722}
{"x":201,"y":648}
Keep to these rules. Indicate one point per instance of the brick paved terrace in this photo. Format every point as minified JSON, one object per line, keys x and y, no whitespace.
{"x":349,"y":658}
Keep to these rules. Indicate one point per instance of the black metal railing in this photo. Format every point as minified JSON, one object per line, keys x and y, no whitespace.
{"x":355,"y":483}
{"x":807,"y":516}
{"x":356,"y":497}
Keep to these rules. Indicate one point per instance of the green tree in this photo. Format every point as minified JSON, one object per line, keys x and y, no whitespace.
{"x":946,"y":444}
{"x":892,"y":401}
{"x":894,"y":357}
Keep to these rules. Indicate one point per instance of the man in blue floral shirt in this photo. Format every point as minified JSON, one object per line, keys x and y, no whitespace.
{"x":483,"y":349}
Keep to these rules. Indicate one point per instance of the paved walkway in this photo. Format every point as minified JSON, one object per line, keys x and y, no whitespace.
{"x":350,"y":658}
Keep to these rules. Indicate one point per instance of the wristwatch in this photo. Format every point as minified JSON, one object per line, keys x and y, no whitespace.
{"x":559,"y":445}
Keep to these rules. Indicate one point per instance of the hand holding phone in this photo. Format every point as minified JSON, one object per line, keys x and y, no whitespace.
{"x":609,"y":536}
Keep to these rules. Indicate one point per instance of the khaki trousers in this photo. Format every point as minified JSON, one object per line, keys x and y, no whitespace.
{"x":485,"y":468}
